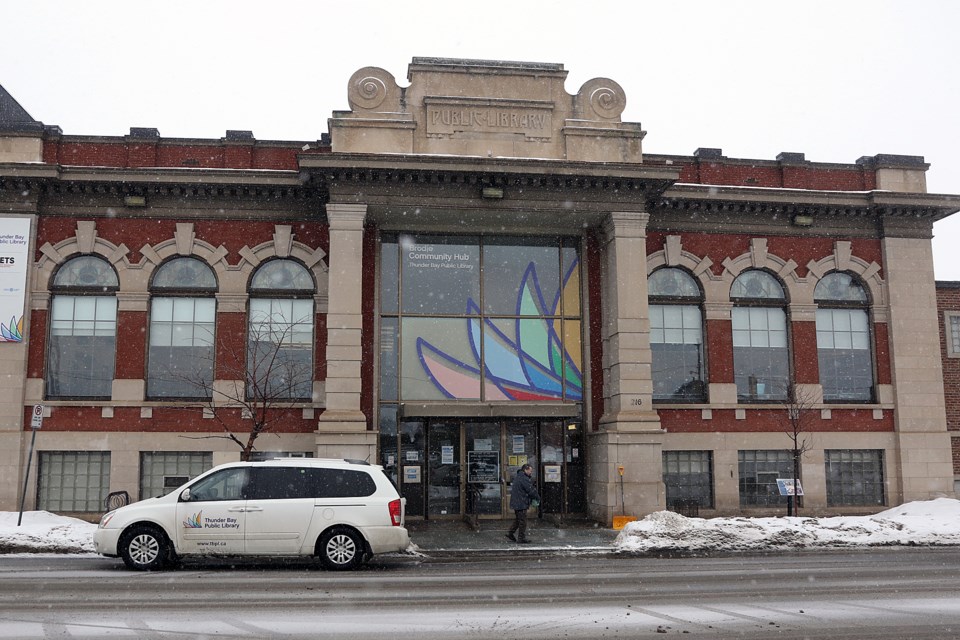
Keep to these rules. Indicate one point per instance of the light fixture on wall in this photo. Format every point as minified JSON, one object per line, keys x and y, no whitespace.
{"x":492,"y":193}
{"x":134,"y":200}
{"x":802,"y":220}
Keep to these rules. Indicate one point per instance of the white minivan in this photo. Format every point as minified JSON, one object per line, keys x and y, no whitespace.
{"x":343,"y":511}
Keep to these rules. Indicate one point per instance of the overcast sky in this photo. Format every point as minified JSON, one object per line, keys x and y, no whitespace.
{"x":835,"y":80}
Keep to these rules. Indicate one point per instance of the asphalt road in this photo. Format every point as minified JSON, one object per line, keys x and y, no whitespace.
{"x":887,"y":593}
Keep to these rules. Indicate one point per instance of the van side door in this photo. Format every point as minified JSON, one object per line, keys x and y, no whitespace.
{"x":213,"y":520}
{"x":279,"y":510}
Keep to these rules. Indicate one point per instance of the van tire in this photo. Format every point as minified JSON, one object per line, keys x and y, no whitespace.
{"x":144,"y":548}
{"x":341,"y":549}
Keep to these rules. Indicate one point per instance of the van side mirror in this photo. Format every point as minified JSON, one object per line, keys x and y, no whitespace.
{"x":185,"y":495}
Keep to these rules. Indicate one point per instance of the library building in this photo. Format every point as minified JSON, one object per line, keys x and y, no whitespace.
{"x":470,"y":270}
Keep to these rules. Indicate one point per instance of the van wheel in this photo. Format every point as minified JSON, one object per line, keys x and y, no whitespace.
{"x":144,"y":548}
{"x":340,"y":550}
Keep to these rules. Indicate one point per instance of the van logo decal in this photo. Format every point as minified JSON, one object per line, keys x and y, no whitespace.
{"x":193,"y":522}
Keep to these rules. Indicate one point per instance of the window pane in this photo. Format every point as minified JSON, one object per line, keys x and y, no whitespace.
{"x":162,"y":471}
{"x":760,"y":355}
{"x":854,"y":477}
{"x":758,"y":471}
{"x":437,"y":362}
{"x":756,"y":284}
{"x":839,"y":286}
{"x":678,"y":355}
{"x":672,"y":283}
{"x":86,"y":271}
{"x":688,"y":478}
{"x":184,"y":273}
{"x":80,"y":352}
{"x":389,"y":276}
{"x":285,"y":275}
{"x":280,"y":349}
{"x":844,"y":355}
{"x":440,"y":274}
{"x":77,"y":481}
{"x":521,"y":279}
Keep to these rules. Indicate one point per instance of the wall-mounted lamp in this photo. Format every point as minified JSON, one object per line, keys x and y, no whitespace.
{"x":802,"y":220}
{"x":492,"y":193}
{"x":135,"y":201}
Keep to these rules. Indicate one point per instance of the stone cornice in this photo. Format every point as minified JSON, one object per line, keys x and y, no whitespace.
{"x":430,"y":169}
{"x":56,"y":179}
{"x":760,"y":200}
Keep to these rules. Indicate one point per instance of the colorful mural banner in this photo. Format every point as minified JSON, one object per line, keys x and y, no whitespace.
{"x":14,"y":246}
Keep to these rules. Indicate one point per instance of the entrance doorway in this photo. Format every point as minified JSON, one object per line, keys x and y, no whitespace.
{"x":451,"y":468}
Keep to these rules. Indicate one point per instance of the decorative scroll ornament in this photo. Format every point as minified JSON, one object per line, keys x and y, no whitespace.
{"x":605,"y":97}
{"x":370,"y":87}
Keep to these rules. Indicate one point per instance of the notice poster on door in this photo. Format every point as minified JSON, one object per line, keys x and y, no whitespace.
{"x":446,"y":454}
{"x":551,"y":473}
{"x":519,"y":445}
{"x":411,"y":474}
{"x":483,"y":466}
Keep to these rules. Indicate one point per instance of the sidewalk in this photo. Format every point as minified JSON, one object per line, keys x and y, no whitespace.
{"x":458,"y":538}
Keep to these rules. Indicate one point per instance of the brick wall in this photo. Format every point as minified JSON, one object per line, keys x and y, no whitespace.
{"x":948,"y":299}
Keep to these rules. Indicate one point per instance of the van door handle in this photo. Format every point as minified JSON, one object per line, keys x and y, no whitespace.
{"x":236,"y":509}
{"x":252,"y":509}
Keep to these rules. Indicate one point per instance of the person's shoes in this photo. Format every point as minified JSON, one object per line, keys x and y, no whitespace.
{"x":524,"y":541}
{"x":510,"y":536}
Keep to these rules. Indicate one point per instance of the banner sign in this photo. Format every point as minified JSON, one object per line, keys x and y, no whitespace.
{"x":14,"y":244}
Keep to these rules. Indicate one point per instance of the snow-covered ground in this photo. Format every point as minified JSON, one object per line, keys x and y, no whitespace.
{"x":932,"y":522}
{"x":44,"y":532}
{"x":926,"y":523}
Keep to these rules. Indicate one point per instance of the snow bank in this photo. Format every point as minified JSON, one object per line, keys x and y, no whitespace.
{"x":44,"y":532}
{"x":933,"y":522}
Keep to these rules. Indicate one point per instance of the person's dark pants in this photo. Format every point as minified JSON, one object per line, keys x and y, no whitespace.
{"x":519,"y":525}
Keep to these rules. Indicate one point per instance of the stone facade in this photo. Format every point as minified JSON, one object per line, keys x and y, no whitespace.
{"x":491,"y":149}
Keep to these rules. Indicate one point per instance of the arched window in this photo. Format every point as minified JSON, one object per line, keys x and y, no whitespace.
{"x":280,"y":338}
{"x":183,"y":314}
{"x":676,"y":336}
{"x":83,"y":329}
{"x":843,"y":339}
{"x":761,"y":358}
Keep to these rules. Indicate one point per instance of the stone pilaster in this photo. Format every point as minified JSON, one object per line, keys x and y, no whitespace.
{"x":630,"y":428}
{"x":342,"y":427}
{"x":924,"y":464}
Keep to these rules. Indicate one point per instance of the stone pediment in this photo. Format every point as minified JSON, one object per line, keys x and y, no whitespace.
{"x":487,"y":109}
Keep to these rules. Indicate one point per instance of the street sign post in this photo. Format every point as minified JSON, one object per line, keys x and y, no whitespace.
{"x":36,"y":423}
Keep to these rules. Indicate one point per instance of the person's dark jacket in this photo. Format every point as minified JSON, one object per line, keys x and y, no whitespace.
{"x":522,"y":492}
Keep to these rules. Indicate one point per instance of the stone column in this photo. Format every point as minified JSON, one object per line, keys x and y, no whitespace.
{"x":629,"y":432}
{"x":924,"y":466}
{"x":342,"y":427}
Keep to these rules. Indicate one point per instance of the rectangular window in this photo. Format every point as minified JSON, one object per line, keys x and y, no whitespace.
{"x":844,"y":355}
{"x":759,"y":471}
{"x":760,"y":355}
{"x":161,"y":471}
{"x":951,"y":323}
{"x":493,"y":319}
{"x":280,"y":349}
{"x":688,"y":477}
{"x":676,"y":340}
{"x":180,"y":361}
{"x":81,"y":353}
{"x":854,"y":477}
{"x":73,"y":481}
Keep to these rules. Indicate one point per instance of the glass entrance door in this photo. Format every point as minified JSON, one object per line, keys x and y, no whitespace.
{"x":484,"y":468}
{"x":443,"y":469}
{"x":450,"y":468}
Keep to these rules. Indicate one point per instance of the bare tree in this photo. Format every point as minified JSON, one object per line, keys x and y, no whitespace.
{"x":796,"y":420}
{"x":271,"y":376}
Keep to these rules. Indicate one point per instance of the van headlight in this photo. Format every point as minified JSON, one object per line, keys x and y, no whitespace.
{"x":106,"y":519}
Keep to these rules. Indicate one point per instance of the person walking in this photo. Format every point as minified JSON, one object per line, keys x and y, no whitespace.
{"x":522,"y":493}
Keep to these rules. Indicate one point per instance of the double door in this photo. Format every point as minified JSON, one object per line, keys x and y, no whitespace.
{"x":452,"y":468}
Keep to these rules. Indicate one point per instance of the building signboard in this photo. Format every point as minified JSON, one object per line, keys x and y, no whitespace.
{"x":14,"y":245}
